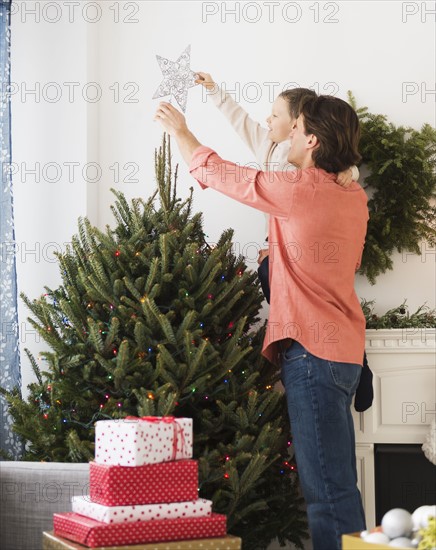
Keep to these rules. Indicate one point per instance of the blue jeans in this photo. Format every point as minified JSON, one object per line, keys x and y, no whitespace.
{"x":319,"y":395}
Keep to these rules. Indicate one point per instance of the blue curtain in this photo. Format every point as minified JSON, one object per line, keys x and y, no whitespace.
{"x":9,"y":350}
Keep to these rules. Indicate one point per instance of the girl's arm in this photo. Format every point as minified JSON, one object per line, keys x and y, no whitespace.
{"x":250,"y":131}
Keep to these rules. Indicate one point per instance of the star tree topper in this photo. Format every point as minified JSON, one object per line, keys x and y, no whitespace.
{"x":178,"y":77}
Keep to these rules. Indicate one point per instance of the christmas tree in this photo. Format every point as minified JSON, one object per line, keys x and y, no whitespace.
{"x":152,"y":320}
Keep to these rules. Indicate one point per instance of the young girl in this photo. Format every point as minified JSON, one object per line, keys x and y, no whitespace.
{"x":271,"y":147}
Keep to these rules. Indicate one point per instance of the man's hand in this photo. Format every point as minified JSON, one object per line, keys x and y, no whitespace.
{"x":174,"y":123}
{"x":171,"y":119}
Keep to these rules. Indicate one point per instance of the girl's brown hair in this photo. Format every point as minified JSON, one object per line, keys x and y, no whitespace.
{"x":296,"y":98}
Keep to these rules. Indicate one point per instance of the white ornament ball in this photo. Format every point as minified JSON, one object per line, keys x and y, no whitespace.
{"x":377,"y":538}
{"x":397,"y":523}
{"x":401,"y":542}
{"x":418,"y":516}
{"x":416,"y":541}
{"x":430,"y":513}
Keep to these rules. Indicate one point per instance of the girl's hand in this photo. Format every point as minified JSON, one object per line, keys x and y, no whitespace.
{"x":172,"y":120}
{"x":345,"y":178}
{"x":206,"y":80}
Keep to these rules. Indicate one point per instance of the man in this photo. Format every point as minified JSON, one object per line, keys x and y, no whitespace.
{"x":316,"y":328}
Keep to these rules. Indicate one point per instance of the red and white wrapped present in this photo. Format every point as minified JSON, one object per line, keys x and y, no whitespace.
{"x":136,"y":441}
{"x":123,"y":514}
{"x":151,"y":483}
{"x":94,"y":533}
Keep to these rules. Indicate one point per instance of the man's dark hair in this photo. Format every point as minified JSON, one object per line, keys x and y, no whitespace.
{"x":336,"y":125}
{"x":296,"y":97}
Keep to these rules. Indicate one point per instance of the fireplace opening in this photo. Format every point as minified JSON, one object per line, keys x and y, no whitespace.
{"x":404,"y":478}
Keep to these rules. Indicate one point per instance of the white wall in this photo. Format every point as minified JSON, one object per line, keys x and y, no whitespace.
{"x":49,"y":133}
{"x":371,"y":48}
{"x":382,"y":51}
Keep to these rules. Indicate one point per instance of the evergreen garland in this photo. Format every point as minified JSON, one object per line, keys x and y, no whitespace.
{"x":401,"y":187}
{"x":399,"y":317}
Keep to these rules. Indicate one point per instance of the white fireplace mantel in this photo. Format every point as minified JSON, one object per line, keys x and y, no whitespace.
{"x":403,"y":362}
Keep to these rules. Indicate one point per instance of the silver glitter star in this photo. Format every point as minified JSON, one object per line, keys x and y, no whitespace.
{"x":178,"y":77}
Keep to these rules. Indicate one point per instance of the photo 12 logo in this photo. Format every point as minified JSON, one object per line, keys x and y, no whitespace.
{"x":253,"y":92}
{"x":70,"y":172}
{"x":33,"y":252}
{"x":418,"y":90}
{"x":270,"y":12}
{"x":423,"y":11}
{"x":427,"y":253}
{"x":51,"y":491}
{"x":421,"y":413}
{"x":327,"y":333}
{"x":22,"y":332}
{"x":69,"y":92}
{"x":74,"y":11}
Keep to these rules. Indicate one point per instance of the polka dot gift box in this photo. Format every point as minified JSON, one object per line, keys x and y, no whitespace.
{"x":148,"y":484}
{"x":143,"y":488}
{"x":125,"y":514}
{"x":148,"y":440}
{"x":96,"y":534}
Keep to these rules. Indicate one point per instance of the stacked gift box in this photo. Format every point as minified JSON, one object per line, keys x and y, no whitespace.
{"x":143,"y":488}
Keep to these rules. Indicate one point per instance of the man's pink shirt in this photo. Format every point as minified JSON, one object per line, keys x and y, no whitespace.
{"x":316,"y":237}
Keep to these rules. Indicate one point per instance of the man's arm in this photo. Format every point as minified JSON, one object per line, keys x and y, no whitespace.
{"x":175,"y":124}
{"x":270,"y":192}
{"x":187,"y":144}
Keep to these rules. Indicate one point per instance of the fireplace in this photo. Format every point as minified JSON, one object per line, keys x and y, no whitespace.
{"x":404,"y":478}
{"x":393,"y":471}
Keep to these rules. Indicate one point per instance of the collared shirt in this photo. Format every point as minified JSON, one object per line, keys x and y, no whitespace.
{"x":270,"y":156}
{"x":316,"y":237}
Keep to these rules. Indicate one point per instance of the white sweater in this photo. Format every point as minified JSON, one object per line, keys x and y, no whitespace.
{"x":270,"y":156}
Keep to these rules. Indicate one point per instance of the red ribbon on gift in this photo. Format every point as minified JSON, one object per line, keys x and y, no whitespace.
{"x":177,"y":429}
